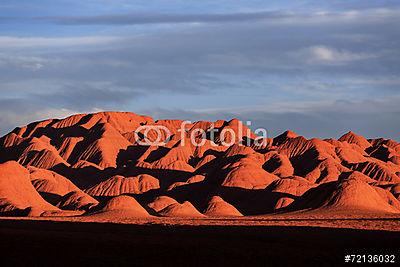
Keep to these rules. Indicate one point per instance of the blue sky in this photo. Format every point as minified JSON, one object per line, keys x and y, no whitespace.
{"x":320,"y":68}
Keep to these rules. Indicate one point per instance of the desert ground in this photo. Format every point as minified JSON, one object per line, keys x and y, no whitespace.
{"x":257,"y":241}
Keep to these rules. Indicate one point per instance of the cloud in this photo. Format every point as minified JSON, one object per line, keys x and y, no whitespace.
{"x":272,"y":16}
{"x":320,"y":54}
{"x":7,"y":42}
{"x":275,"y":70}
{"x":298,"y":14}
{"x":80,"y":96}
{"x":19,"y":112}
{"x":137,"y":19}
{"x":33,"y":63}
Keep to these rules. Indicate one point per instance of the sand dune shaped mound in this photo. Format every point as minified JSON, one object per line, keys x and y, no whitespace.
{"x":46,"y":181}
{"x":67,"y":146}
{"x":69,"y":122}
{"x":388,"y":197}
{"x":290,"y":189}
{"x":186,"y":209}
{"x":235,"y":150}
{"x":386,"y":154}
{"x":239,"y":129}
{"x":385,"y":142}
{"x":349,"y":153}
{"x":314,"y":159}
{"x":122,"y":207}
{"x":77,"y":200}
{"x":204,"y":160}
{"x":60,"y":191}
{"x":353,"y":138}
{"x":217,"y":207}
{"x":248,"y":173}
{"x":358,"y":176}
{"x":121,"y":121}
{"x":326,"y":170}
{"x":278,"y":164}
{"x":307,"y":150}
{"x":38,"y":152}
{"x":179,"y":153}
{"x":161,"y":202}
{"x":376,"y":170}
{"x":177,"y":165}
{"x":209,"y":146}
{"x":172,"y":125}
{"x":10,"y":140}
{"x":104,"y":147}
{"x":31,"y":129}
{"x":118,"y":185}
{"x":283,"y":137}
{"x":17,"y":192}
{"x":295,"y":186}
{"x":349,"y":195}
{"x":194,"y":179}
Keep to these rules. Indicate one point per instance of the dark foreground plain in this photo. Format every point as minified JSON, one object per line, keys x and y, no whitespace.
{"x":60,"y":243}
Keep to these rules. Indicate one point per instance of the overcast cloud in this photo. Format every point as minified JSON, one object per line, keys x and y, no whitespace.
{"x":319,"y":69}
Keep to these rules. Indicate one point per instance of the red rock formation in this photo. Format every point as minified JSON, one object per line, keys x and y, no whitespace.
{"x":186,"y":209}
{"x":161,"y":202}
{"x":351,"y":194}
{"x":72,"y":160}
{"x":217,"y":207}
{"x":122,"y":207}
{"x":16,"y":191}
{"x":119,"y":185}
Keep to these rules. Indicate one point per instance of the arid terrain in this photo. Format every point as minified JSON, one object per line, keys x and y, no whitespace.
{"x":31,"y":242}
{"x":90,"y":183}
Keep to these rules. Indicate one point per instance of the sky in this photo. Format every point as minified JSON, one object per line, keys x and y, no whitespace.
{"x":319,"y":68}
